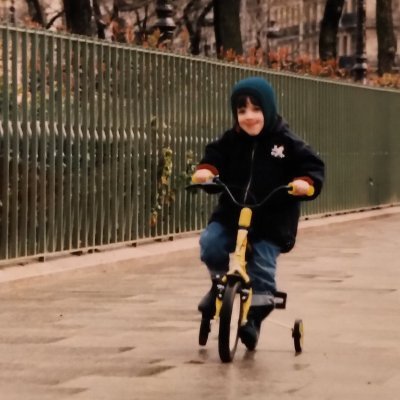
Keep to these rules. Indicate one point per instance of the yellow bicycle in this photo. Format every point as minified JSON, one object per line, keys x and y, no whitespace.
{"x":234,"y":291}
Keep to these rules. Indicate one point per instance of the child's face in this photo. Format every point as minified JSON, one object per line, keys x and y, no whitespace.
{"x":251,"y":118}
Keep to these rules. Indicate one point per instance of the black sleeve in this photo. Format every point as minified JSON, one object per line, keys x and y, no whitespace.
{"x":306,"y":164}
{"x":215,"y":154}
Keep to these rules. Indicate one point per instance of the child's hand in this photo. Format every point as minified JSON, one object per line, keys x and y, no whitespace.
{"x":301,"y":188}
{"x":202,"y":175}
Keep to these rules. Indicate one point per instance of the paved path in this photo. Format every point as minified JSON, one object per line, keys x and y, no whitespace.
{"x":127,"y":329}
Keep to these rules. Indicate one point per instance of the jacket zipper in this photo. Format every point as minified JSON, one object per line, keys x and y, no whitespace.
{"x":251,"y":172}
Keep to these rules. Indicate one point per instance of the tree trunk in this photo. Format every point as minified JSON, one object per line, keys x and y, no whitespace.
{"x":101,"y":26}
{"x":78,"y":15}
{"x":194,"y":22}
{"x":227,"y":26}
{"x":35,"y":11}
{"x":387,"y":43}
{"x":329,"y":29}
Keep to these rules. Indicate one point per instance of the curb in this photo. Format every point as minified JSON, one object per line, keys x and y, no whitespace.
{"x":155,"y":252}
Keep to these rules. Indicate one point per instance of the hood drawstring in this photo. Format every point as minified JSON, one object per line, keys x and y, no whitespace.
{"x":251,"y":173}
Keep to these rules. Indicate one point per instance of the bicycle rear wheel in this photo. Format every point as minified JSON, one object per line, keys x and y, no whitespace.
{"x":230,"y":318}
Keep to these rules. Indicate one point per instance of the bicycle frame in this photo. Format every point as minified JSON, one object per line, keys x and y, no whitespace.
{"x":238,"y":266}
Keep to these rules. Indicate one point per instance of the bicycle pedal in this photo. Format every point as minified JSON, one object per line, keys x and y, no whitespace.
{"x":280,"y":300}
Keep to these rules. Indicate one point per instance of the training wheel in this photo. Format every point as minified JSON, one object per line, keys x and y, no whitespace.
{"x":298,"y":335}
{"x":205,"y":328}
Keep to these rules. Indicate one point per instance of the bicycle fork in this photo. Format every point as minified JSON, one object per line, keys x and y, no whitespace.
{"x":238,"y":269}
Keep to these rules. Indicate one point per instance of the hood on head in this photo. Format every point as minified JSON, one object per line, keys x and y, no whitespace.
{"x":261,"y":89}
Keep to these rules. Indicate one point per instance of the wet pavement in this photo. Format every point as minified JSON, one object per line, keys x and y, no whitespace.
{"x":127,"y":327}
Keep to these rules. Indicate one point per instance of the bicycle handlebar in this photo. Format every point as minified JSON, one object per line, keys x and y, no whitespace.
{"x":216,"y":182}
{"x":310,"y":191}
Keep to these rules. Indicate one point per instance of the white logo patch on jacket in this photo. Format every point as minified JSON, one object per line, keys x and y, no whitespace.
{"x":277,"y":151}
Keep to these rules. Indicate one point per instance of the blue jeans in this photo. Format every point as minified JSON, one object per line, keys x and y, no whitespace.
{"x":216,"y":242}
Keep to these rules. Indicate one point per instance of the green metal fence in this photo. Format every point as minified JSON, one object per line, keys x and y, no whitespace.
{"x":98,"y":140}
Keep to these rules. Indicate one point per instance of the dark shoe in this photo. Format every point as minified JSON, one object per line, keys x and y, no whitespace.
{"x":207,"y":303}
{"x":250,"y":332}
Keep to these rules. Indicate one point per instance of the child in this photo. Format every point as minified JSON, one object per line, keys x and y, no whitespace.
{"x":258,"y":154}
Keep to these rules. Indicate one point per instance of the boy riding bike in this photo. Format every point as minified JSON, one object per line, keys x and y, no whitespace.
{"x":257,"y":155}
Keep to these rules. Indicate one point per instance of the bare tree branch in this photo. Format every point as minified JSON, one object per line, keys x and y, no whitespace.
{"x":53,"y":19}
{"x":195,"y":25}
{"x":205,"y":11}
{"x":142,"y":23}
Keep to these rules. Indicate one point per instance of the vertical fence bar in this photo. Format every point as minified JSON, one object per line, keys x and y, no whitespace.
{"x":114,"y":146}
{"x":5,"y":181}
{"x":201,"y":133}
{"x":14,"y":143}
{"x":100,"y":147}
{"x":93,"y":192}
{"x":163,"y":181}
{"x":185,"y":102}
{"x":171,"y":143}
{"x":137,"y":172}
{"x":168,"y":154}
{"x":198,"y":133}
{"x":76,"y":146}
{"x":154,"y":212}
{"x":83,"y":157}
{"x":128,"y":153}
{"x":193,"y":133}
{"x":142,"y":173}
{"x":180,"y":160}
{"x":188,"y":135}
{"x":178,"y":174}
{"x":60,"y":142}
{"x":120,"y":86}
{"x":149,"y":179}
{"x":66,"y":111}
{"x":26,"y":137}
{"x":208,"y":127}
{"x":107,"y":147}
{"x":42,"y":154}
{"x":157,"y":144}
{"x":51,"y":148}
{"x":33,"y":171}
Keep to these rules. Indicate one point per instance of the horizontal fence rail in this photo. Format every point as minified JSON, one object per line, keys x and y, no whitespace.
{"x":97,"y":140}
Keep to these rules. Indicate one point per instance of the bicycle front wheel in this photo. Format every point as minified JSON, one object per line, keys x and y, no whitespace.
{"x":230,"y":318}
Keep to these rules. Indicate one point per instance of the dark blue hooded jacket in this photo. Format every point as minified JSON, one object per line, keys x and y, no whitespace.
{"x":274,"y":157}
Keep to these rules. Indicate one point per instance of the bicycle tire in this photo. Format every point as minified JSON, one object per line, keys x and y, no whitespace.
{"x":298,"y":335}
{"x":228,"y":329}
